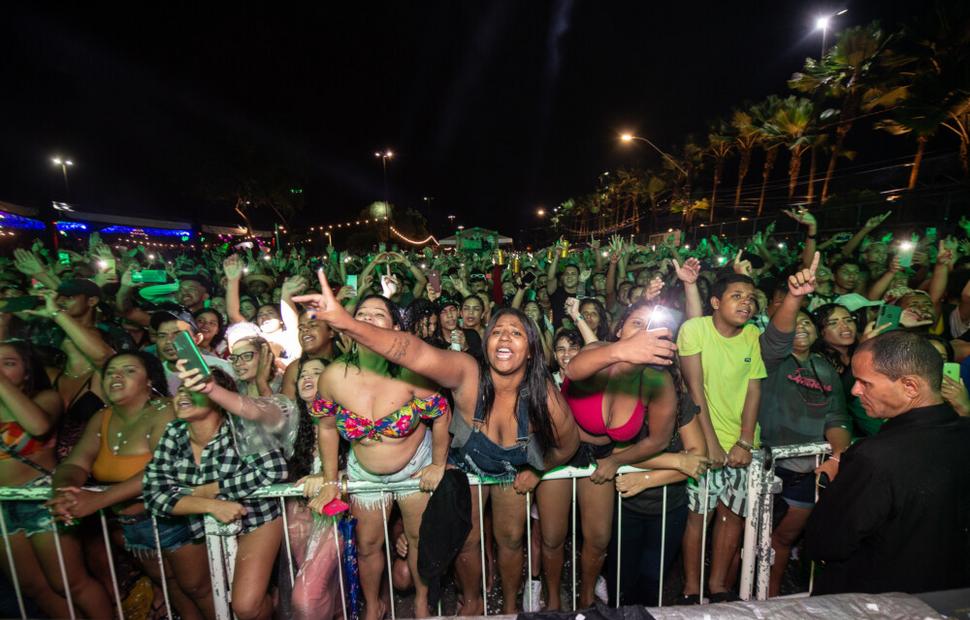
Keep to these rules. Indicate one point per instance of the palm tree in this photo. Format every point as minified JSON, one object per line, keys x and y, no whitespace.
{"x":847,"y":73}
{"x":746,"y":138}
{"x":793,"y":124}
{"x":719,"y":146}
{"x":761,"y":115}
{"x":688,"y":208}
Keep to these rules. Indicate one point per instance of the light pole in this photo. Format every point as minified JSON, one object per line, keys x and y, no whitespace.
{"x":629,"y":137}
{"x":430,"y":201}
{"x":822,"y":23}
{"x":384,"y":157}
{"x":64,"y":164}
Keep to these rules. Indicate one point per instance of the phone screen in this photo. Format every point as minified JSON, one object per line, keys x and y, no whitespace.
{"x":434,"y":282}
{"x":352,"y":281}
{"x":661,"y":317}
{"x":952,"y":370}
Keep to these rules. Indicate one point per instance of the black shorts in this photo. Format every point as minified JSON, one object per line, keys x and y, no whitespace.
{"x":589,"y":453}
{"x":797,"y":489}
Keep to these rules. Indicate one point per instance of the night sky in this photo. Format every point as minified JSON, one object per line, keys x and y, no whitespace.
{"x":493,"y":108}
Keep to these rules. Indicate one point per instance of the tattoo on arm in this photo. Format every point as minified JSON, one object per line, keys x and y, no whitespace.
{"x":398,"y":349}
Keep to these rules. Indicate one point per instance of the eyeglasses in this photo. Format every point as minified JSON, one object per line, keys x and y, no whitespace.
{"x":246,"y":357}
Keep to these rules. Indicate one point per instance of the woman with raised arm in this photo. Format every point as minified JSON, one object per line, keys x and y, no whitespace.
{"x":379,"y":409}
{"x":510,"y":423}
{"x":29,"y":409}
{"x":626,"y":412}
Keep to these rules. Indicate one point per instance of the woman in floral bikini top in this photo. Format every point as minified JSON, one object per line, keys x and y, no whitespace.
{"x":380,"y":409}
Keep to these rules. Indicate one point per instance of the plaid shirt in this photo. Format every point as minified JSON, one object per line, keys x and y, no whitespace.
{"x":172,"y":473}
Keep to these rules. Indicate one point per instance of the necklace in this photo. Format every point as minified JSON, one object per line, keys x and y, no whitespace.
{"x":120,"y":440}
{"x":71,"y":375}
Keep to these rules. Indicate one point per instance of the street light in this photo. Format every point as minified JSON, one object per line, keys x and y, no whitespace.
{"x":822,"y":23}
{"x":430,"y":201}
{"x":384,"y":157}
{"x":541,"y":212}
{"x":629,"y":137}
{"x":64,"y":164}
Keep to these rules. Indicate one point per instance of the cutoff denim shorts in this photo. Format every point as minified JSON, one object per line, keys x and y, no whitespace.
{"x":369,"y":501}
{"x":173,"y":533}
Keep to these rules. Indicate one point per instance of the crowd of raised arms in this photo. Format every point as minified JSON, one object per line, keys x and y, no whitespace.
{"x":395,"y":365}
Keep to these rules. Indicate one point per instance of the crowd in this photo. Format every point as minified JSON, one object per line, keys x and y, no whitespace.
{"x":397,"y":365}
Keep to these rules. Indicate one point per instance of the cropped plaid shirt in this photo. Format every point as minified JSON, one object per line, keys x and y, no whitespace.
{"x":172,"y":473}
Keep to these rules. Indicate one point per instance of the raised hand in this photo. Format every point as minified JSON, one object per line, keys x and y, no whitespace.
{"x":654,"y":288}
{"x":572,"y":308}
{"x":801,"y":215}
{"x":233,"y":267}
{"x":294,"y":285}
{"x":649,"y":347}
{"x":325,"y":304}
{"x":802,"y":282}
{"x":742,"y":267}
{"x":689,"y":271}
{"x":876,"y":220}
{"x":27,"y":263}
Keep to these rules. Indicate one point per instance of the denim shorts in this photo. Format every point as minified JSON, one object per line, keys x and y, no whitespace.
{"x":28,"y":517}
{"x":373,"y":500}
{"x":140,"y":538}
{"x":797,"y":489}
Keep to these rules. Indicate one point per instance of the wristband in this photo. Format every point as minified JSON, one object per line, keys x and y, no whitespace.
{"x":744,"y":444}
{"x":812,"y":237}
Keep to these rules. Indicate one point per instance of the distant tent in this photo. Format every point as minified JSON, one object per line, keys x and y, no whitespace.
{"x":476,"y":239}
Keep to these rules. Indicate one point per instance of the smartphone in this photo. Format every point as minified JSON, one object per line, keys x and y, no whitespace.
{"x":335,"y":507}
{"x":905,"y":253}
{"x":186,"y":349}
{"x":952,"y":370}
{"x":528,"y":278}
{"x":455,"y":342}
{"x":352,"y":281}
{"x":107,"y":265}
{"x":63,"y":258}
{"x":434,"y":282}
{"x":889,"y":313}
{"x":155,"y":276}
{"x":19,"y":304}
{"x":661,"y":316}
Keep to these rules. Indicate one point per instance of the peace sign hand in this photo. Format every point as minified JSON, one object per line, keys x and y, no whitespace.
{"x":325,"y":304}
{"x":803,"y":282}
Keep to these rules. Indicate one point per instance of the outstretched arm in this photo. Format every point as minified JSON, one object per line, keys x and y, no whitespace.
{"x":646,"y":347}
{"x":449,"y":369}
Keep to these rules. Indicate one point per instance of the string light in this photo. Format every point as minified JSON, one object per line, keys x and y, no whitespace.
{"x":412,"y":241}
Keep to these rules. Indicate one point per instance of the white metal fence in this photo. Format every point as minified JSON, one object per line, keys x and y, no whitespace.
{"x":221,"y":542}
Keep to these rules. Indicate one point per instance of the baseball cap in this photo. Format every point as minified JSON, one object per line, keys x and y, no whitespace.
{"x":197,"y":277}
{"x":172,"y":312}
{"x":855,"y":301}
{"x":79,"y":286}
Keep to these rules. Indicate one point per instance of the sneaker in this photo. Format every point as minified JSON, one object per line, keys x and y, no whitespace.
{"x":532,"y":600}
{"x":600,"y":590}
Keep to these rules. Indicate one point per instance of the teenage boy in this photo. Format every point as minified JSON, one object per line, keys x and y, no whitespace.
{"x":721,"y":361}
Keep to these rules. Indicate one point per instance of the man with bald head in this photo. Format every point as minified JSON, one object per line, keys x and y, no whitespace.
{"x":897,"y":516}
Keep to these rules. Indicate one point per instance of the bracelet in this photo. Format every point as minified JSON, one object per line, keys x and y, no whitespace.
{"x":812,"y":237}
{"x":835,"y":458}
{"x":744,"y":444}
{"x":55,"y":314}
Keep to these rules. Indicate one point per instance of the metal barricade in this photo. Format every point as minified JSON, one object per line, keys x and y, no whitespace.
{"x":757,"y":555}
{"x":221,"y":540}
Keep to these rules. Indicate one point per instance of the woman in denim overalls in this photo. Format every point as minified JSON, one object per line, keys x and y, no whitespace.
{"x":509,"y":425}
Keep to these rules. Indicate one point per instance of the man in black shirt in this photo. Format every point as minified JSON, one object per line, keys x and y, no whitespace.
{"x":897,"y":518}
{"x":560,"y":288}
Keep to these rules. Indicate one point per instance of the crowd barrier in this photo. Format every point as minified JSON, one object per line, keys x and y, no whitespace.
{"x":221,"y":543}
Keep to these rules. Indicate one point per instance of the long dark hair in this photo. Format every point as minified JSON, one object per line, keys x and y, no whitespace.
{"x":535,"y":384}
{"x":352,"y":357}
{"x":830,"y":353}
{"x":35,"y":379}
{"x":301,"y":463}
{"x":153,"y":368}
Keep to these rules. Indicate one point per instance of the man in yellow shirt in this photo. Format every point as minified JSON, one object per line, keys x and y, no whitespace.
{"x":721,"y":361}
